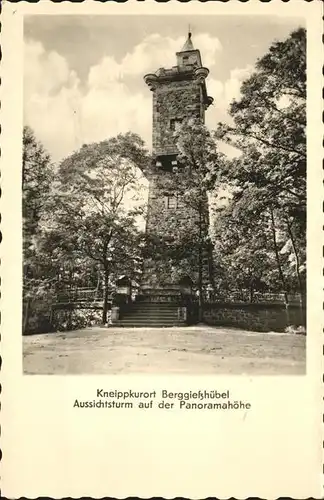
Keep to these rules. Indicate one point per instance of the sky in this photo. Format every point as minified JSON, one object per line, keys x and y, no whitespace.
{"x":83,"y":75}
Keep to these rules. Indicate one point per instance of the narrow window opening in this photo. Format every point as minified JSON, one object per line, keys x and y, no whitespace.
{"x":171,"y":202}
{"x":175,"y":124}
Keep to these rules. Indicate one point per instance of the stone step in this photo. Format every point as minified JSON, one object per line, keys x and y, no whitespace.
{"x":146,"y":318}
{"x":151,"y":314}
{"x":146,"y":324}
{"x":143,"y":308}
{"x":150,"y":319}
{"x":152,"y":310}
{"x":156,"y":304}
{"x":162,"y":312}
{"x":149,"y":305}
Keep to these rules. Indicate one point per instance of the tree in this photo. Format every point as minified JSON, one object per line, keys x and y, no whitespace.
{"x":199,"y":158}
{"x":244,"y":256}
{"x":96,"y":207}
{"x":37,"y":176}
{"x":269,"y":128}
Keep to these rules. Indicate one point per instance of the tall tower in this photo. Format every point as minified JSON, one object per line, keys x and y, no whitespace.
{"x":179,"y":93}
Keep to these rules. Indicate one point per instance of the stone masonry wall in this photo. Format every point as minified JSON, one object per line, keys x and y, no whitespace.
{"x":254,"y":317}
{"x":177,"y":95}
{"x":177,"y":219}
{"x":174,"y":100}
{"x":39,"y":315}
{"x":180,"y":224}
{"x":44,"y":319}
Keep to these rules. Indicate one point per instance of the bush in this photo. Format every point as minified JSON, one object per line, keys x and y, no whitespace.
{"x":78,"y":318}
{"x":297,"y":330}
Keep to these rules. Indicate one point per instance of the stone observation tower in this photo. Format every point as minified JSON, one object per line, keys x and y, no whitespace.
{"x":179,"y":94}
{"x":169,"y":278}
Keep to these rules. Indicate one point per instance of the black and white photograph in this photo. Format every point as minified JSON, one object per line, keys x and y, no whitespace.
{"x":164,"y":195}
{"x":161,"y":249}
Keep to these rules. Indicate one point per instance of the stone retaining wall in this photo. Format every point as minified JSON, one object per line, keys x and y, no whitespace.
{"x":44,"y":319}
{"x":37,"y":316}
{"x":255,"y":317}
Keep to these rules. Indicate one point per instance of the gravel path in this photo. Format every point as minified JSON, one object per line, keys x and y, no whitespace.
{"x":188,"y":350}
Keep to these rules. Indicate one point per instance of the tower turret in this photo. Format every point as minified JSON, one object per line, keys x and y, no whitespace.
{"x":179,"y":93}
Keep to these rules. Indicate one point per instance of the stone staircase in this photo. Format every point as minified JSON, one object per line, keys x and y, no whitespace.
{"x":151,"y":314}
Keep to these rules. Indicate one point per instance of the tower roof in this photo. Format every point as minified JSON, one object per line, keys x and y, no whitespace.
{"x":188,"y":45}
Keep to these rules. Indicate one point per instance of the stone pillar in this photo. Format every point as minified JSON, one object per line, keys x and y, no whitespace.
{"x":114,"y":314}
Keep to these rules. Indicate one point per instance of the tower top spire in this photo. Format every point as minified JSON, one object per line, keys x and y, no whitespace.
{"x":188,"y":45}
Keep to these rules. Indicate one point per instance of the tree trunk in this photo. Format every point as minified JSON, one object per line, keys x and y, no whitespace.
{"x":70,"y":291}
{"x":200,"y":269}
{"x":281,"y":275}
{"x":98,"y":284}
{"x":200,"y":287}
{"x":300,"y":283}
{"x":69,"y":321}
{"x":106,"y":295}
{"x":211,"y":265}
{"x":26,"y":315}
{"x":51,"y":317}
{"x":251,"y":292}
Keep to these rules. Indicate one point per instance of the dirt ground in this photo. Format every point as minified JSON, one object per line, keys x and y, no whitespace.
{"x":188,"y":350}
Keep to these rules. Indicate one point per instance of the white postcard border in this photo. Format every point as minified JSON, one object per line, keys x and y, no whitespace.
{"x":50,"y":448}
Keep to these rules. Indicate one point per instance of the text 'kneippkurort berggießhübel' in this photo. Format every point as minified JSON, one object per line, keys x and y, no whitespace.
{"x":164,"y":399}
